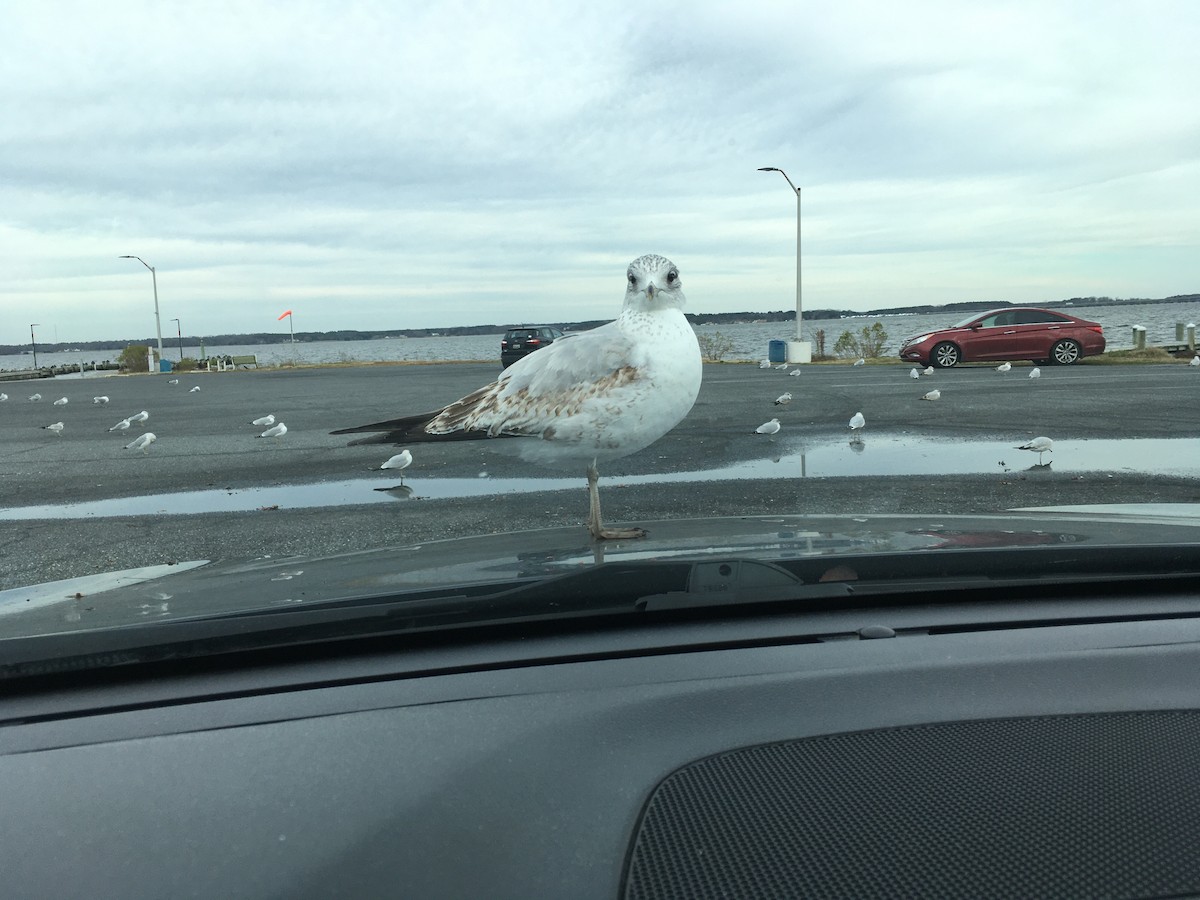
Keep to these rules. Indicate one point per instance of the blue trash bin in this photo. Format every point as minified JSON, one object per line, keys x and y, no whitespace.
{"x":777,"y":351}
{"x":165,"y":365}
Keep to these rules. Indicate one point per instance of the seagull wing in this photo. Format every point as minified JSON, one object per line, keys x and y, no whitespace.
{"x":530,"y":396}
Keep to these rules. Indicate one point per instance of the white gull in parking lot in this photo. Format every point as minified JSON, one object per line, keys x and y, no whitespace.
{"x":595,"y":396}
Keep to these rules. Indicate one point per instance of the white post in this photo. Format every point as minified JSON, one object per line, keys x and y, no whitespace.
{"x":799,"y":350}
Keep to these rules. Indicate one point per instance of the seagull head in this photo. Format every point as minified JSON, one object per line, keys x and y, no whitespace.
{"x":652,"y":283}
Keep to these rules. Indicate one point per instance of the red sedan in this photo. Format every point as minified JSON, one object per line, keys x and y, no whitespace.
{"x":1017,"y":332}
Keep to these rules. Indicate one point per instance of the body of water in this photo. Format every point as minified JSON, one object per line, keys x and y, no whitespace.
{"x":750,"y":340}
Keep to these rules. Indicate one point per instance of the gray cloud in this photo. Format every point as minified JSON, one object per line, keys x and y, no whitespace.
{"x":383,"y":167}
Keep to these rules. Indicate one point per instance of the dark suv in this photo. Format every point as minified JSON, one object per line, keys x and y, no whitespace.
{"x":518,"y":342}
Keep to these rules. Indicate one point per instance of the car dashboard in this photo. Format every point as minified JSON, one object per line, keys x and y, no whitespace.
{"x":1025,"y":744}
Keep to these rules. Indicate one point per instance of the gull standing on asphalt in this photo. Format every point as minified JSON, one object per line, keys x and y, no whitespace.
{"x":935,"y":394}
{"x":57,"y":428}
{"x":193,"y":390}
{"x":139,"y":417}
{"x":1035,"y":372}
{"x":141,"y":442}
{"x":1195,"y":361}
{"x":1038,"y":445}
{"x":784,"y":398}
{"x":860,"y":361}
{"x":61,"y":401}
{"x":765,"y":364}
{"x":276,"y":431}
{"x":857,"y":422}
{"x":99,"y":400}
{"x":771,"y":427}
{"x":3,"y":397}
{"x":34,"y":398}
{"x":795,"y":373}
{"x":264,"y":420}
{"x":928,"y":370}
{"x":123,"y":425}
{"x":595,"y":396}
{"x":401,"y":460}
{"x":1003,"y":367}
{"x":914,"y":374}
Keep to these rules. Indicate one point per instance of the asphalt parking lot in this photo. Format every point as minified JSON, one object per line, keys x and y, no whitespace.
{"x":206,"y":444}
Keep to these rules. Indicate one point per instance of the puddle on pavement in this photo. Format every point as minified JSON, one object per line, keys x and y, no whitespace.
{"x":873,"y":456}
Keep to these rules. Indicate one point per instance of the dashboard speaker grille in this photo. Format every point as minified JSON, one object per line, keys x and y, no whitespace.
{"x":1057,"y":806}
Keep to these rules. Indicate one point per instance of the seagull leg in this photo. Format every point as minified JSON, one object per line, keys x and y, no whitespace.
{"x":598,"y":531}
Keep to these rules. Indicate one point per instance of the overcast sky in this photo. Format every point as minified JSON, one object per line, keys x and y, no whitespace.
{"x":392,"y":165}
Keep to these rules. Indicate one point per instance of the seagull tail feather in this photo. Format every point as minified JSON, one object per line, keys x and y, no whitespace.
{"x":409,"y":430}
{"x":403,"y":424}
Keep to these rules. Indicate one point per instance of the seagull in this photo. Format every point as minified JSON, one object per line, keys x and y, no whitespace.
{"x":781,"y":366}
{"x":860,"y":362}
{"x":139,"y":417}
{"x":765,"y":364}
{"x":57,"y":428}
{"x":1038,"y":445}
{"x":123,"y":425}
{"x":928,"y":370}
{"x":264,"y":420}
{"x":784,"y":398}
{"x":3,"y":397}
{"x":277,"y":431}
{"x":173,"y":381}
{"x":595,"y":396}
{"x":771,"y":427}
{"x":1195,"y":360}
{"x":935,"y":394}
{"x":401,"y":460}
{"x":914,"y":374}
{"x":193,"y":390}
{"x":142,"y":441}
{"x":61,"y":401}
{"x":35,"y":398}
{"x":1003,"y":367}
{"x":1035,"y":372}
{"x":857,"y":421}
{"x":795,"y":373}
{"x":100,"y":400}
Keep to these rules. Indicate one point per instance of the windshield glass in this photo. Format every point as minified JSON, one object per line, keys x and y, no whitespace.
{"x":259,"y":262}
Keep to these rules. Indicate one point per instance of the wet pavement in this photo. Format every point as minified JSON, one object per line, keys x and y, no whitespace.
{"x":204,"y":488}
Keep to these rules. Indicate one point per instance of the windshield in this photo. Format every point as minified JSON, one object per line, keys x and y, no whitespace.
{"x":259,"y":262}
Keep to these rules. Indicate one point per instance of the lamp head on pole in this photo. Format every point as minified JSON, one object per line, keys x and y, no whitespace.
{"x":781,"y":172}
{"x":138,"y":258}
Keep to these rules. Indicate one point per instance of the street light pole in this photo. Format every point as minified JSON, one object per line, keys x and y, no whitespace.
{"x":802,"y":350}
{"x":157,"y":321}
{"x":33,"y":340}
{"x":179,"y":334}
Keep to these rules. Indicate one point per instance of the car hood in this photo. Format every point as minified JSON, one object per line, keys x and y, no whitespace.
{"x":202,"y":588}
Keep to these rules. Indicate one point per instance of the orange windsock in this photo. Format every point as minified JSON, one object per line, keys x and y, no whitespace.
{"x":284,"y":316}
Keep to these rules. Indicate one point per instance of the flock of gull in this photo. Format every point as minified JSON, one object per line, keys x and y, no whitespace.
{"x":1039,"y":445}
{"x":146,"y":438}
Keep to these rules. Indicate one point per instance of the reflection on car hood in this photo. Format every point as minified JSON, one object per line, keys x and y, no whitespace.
{"x":202,"y":588}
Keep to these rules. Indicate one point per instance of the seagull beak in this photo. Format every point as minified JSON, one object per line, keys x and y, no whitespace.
{"x":650,"y":292}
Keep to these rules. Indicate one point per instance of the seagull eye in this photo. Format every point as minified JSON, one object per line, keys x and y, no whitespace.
{"x":632,"y":278}
{"x":672,"y":277}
